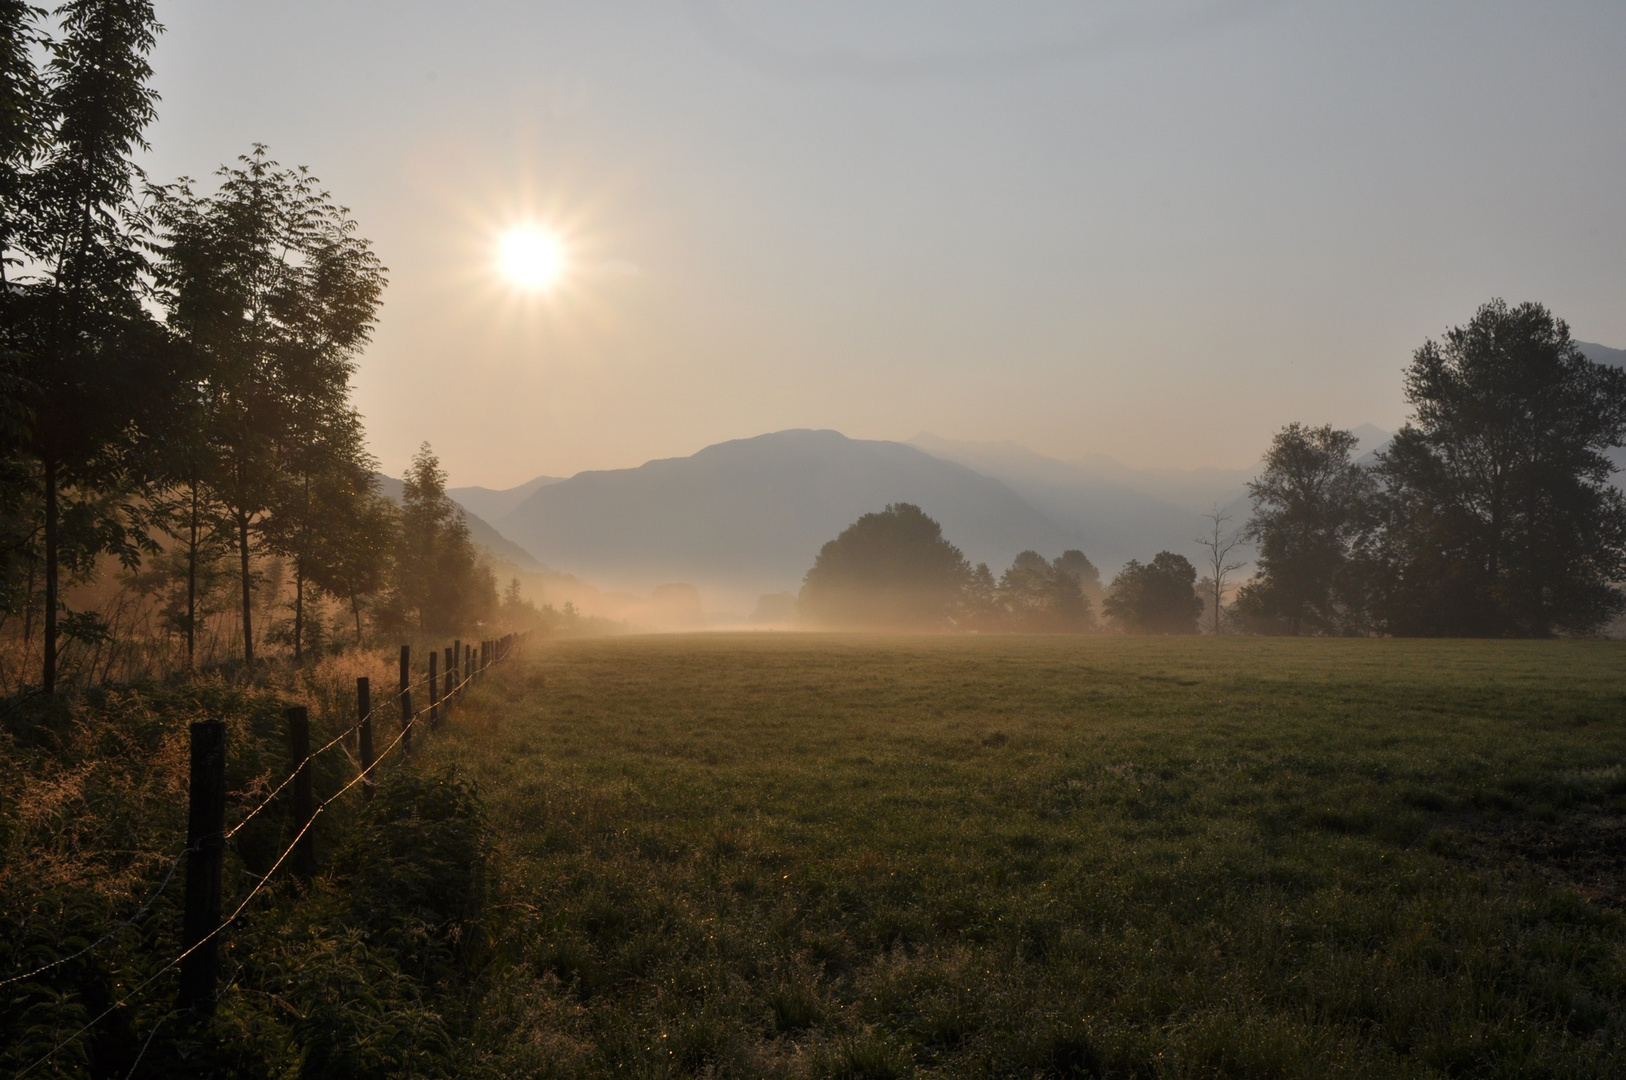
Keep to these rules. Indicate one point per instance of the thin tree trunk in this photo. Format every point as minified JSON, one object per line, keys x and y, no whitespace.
{"x":192,"y":587}
{"x":248,"y":610}
{"x":28,"y":607}
{"x":355,"y":607}
{"x":299,"y":607}
{"x":48,"y":668}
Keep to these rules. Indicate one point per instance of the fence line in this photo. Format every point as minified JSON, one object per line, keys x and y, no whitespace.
{"x":500,"y":649}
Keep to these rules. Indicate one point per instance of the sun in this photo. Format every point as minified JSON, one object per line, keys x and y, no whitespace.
{"x":531,"y":258}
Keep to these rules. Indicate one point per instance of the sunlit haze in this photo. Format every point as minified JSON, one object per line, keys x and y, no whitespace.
{"x":1155,"y":231}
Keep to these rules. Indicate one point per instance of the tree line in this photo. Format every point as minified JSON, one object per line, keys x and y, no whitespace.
{"x":175,"y":370}
{"x":1490,"y":514}
{"x":895,"y":569}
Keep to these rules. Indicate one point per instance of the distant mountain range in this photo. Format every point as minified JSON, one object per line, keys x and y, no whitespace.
{"x":496,"y":505}
{"x":480,"y":530}
{"x":748,"y":516}
{"x":1602,"y":354}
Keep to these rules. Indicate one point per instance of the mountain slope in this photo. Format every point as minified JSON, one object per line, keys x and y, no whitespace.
{"x":496,"y":504}
{"x":1116,"y":518}
{"x":750,"y":515}
{"x":1602,"y":354}
{"x":480,"y":530}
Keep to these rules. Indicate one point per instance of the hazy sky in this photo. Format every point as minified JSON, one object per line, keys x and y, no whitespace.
{"x":1157,"y":230}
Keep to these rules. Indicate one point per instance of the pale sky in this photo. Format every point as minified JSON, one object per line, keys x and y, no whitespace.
{"x":1155,"y":230}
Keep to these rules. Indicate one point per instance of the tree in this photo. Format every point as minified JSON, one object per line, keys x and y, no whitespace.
{"x":1220,"y":541}
{"x":360,"y":541}
{"x":1075,"y":562}
{"x":88,"y":359}
{"x":1308,"y":513}
{"x":268,"y":283}
{"x":892,"y":569}
{"x":326,"y":476}
{"x":1037,"y":595}
{"x":1497,"y":517}
{"x":1159,"y":597}
{"x":440,"y":581}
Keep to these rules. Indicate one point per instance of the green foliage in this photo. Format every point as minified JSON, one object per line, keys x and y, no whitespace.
{"x":417,"y":869}
{"x":272,"y":290}
{"x":440,"y":584}
{"x":1159,"y":597}
{"x":1309,"y":508}
{"x":1043,"y":597}
{"x":1498,"y":516}
{"x":88,"y":372}
{"x":1490,"y":514}
{"x":893,"y":568}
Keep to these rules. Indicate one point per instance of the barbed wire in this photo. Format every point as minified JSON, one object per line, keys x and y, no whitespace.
{"x":131,"y":995}
{"x":117,"y":930}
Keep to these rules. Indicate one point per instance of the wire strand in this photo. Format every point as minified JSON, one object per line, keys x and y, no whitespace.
{"x":236,"y":912}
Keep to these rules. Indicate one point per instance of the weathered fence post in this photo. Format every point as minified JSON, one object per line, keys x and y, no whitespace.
{"x":299,"y":751}
{"x":434,"y":690}
{"x":468,"y":664}
{"x":205,"y":858}
{"x":457,"y":657}
{"x":406,"y":699}
{"x":364,"y":716}
{"x":451,"y":672}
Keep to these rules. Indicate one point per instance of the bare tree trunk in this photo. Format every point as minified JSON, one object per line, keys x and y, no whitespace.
{"x":28,"y":605}
{"x":355,"y":607}
{"x":248,"y":610}
{"x":48,"y":668}
{"x":192,"y":586}
{"x":299,"y":607}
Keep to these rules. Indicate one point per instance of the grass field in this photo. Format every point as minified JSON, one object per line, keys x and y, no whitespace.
{"x":764,"y":855}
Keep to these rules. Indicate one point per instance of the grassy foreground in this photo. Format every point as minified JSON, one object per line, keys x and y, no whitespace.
{"x":765,"y":855}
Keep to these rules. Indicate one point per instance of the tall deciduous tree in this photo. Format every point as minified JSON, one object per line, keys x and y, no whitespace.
{"x":893,"y":568}
{"x":269,"y":283}
{"x":1497,"y":513}
{"x":1159,"y":597}
{"x":1308,"y":513}
{"x":88,"y":358}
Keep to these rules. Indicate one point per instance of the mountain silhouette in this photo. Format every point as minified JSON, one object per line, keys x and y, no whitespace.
{"x":481,"y":531}
{"x":749,"y":516}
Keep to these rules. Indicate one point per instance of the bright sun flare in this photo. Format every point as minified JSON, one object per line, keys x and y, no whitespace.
{"x":532,"y":259}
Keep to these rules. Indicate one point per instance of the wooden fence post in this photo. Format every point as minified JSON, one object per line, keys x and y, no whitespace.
{"x":434,"y":690}
{"x":205,"y":859}
{"x":304,"y":801}
{"x":364,"y":716}
{"x":457,"y":656}
{"x":468,"y":664}
{"x":406,"y":699}
{"x":451,"y":672}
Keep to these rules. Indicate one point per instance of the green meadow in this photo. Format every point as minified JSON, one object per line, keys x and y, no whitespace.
{"x":853,"y":856}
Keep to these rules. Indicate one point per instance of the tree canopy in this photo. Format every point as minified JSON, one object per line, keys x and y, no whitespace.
{"x":892,"y":568}
{"x":1159,"y":597}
